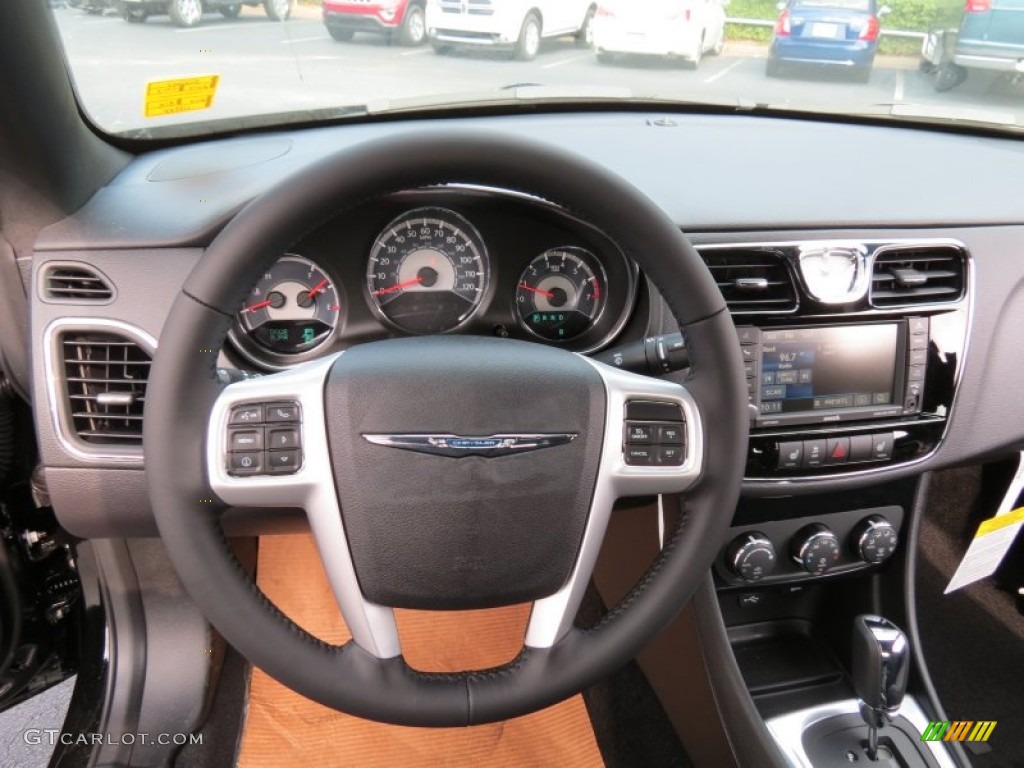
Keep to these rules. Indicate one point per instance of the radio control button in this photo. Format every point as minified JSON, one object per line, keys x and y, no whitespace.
{"x":279,"y":439}
{"x":918,"y":325}
{"x":919,"y":341}
{"x":861,"y":448}
{"x":284,"y":462}
{"x":639,"y":433}
{"x":838,"y":450}
{"x":750,"y":369}
{"x":814,"y":453}
{"x":791,"y":455}
{"x":916,"y":373}
{"x":918,"y":356}
{"x":247,"y":414}
{"x":881,"y":446}
{"x":749,"y":353}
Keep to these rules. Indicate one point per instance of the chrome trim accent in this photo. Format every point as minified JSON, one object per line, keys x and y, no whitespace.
{"x":857,"y":288}
{"x":458,"y":446}
{"x":788,"y":730}
{"x":56,"y":400}
{"x":552,"y":616}
{"x":311,"y":488}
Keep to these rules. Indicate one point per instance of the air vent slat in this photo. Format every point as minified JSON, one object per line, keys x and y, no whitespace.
{"x":752,"y":281}
{"x":918,"y":275}
{"x":105,"y":377}
{"x":76,"y":283}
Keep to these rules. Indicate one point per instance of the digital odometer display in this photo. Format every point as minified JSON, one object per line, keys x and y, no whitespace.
{"x":828,"y":369}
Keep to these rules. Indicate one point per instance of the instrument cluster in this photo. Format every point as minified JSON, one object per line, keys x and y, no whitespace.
{"x":431,"y":262}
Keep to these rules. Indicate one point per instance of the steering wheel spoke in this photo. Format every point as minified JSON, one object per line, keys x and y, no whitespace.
{"x":277,"y":423}
{"x":654,"y":444}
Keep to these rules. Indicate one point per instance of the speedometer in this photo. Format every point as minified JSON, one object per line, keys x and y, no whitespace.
{"x":428,"y":271}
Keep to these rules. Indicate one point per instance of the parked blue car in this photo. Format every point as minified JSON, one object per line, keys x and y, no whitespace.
{"x":834,"y":33}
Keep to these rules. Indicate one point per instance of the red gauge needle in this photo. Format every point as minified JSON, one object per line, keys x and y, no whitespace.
{"x":317,"y":288}
{"x":399,"y":286}
{"x":526,"y":287}
{"x":254,"y":307}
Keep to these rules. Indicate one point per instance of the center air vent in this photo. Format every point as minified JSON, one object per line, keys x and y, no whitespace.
{"x":752,"y":280}
{"x":76,"y":282}
{"x":920,"y":275}
{"x":105,"y":376}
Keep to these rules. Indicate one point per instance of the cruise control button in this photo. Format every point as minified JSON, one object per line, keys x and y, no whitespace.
{"x":282,"y":412}
{"x":838,"y":450}
{"x":283,"y":462}
{"x":814,"y":453}
{"x":278,"y":439}
{"x":881,"y":446}
{"x":639,"y":433}
{"x":671,"y":455}
{"x":246,"y":414}
{"x":791,"y":455}
{"x":646,"y":410}
{"x":860,"y":448}
{"x":250,"y":463}
{"x":641,"y":455}
{"x":245,"y":439}
{"x":670,"y":434}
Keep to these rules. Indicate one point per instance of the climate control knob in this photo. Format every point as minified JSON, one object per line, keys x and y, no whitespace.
{"x":874,"y":539}
{"x":815,"y":548}
{"x":751,"y":556}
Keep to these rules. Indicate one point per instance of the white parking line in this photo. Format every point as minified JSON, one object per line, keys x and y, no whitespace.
{"x":897,"y":91}
{"x":305,"y":39}
{"x":570,"y":60}
{"x":723,"y":72}
{"x":417,"y":51}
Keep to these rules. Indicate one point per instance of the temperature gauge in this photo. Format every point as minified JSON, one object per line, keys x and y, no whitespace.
{"x":291,"y":312}
{"x":562,"y":293}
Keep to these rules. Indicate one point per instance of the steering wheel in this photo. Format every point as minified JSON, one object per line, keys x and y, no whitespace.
{"x":444,"y":472}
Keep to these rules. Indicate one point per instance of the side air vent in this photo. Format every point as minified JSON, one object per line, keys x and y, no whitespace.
{"x":105,"y":376}
{"x":752,"y":280}
{"x":77,"y":283}
{"x":920,"y":275}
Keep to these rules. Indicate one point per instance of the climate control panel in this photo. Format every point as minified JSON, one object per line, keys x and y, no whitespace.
{"x":800,"y":549}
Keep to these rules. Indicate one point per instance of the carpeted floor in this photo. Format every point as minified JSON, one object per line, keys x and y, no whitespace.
{"x":973,"y":639}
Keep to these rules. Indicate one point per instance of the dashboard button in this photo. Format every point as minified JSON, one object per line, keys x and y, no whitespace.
{"x":918,"y":325}
{"x":246,"y":414}
{"x":916,"y":373}
{"x":245,"y":439}
{"x":750,"y":369}
{"x":647,"y":410}
{"x":283,"y":462}
{"x":279,"y":439}
{"x":814,"y":453}
{"x":638,"y":434}
{"x":748,"y":334}
{"x":282,"y":412}
{"x":919,"y":341}
{"x":670,"y":455}
{"x":860,"y":448}
{"x":249,"y":463}
{"x":670,"y":434}
{"x":641,"y":455}
{"x":918,"y":356}
{"x":749,"y":353}
{"x":838,"y":450}
{"x":881,"y":446}
{"x":791,"y":455}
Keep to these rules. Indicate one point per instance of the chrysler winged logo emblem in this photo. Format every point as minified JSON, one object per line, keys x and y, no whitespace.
{"x":458,"y":446}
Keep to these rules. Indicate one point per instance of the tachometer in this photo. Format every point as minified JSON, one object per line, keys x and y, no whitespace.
{"x":289,"y":314}
{"x":428,"y":271}
{"x":561,"y":293}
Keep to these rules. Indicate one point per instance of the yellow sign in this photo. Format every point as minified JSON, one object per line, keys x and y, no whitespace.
{"x":1000,"y":521}
{"x":187,"y":94}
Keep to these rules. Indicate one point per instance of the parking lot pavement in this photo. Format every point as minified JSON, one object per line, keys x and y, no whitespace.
{"x":303,"y":68}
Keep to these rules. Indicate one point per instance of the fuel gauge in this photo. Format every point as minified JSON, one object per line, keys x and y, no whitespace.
{"x":562,"y":293}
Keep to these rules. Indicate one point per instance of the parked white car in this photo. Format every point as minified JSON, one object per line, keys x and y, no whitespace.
{"x":684,"y":29}
{"x":515,"y":25}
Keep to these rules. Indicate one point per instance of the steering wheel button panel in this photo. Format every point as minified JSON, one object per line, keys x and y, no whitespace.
{"x":258,"y":449}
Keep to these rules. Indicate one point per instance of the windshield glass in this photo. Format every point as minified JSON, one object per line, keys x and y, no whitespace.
{"x":160,"y":68}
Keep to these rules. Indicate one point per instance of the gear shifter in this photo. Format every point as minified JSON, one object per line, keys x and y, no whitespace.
{"x":881,"y":661}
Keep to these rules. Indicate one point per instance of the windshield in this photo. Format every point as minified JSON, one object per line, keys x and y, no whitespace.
{"x":163,"y":68}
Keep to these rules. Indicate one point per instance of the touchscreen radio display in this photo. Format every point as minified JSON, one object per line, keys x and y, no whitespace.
{"x":815,"y":370}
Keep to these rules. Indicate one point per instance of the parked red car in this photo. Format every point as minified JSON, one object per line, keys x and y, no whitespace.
{"x":402,"y":20}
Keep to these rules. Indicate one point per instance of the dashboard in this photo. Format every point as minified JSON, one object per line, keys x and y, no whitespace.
{"x":444,"y":260}
{"x":464,"y":260}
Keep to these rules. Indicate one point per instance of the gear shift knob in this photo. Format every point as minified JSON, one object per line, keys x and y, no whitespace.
{"x":881,"y":662}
